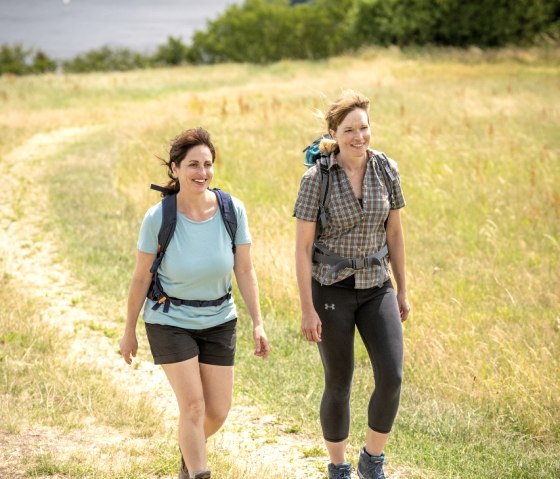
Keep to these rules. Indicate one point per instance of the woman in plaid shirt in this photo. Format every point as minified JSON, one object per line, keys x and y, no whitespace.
{"x":362,"y":217}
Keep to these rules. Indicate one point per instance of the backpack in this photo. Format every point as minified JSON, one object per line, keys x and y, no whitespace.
{"x":166,"y":230}
{"x":313,"y":156}
{"x":321,"y":254}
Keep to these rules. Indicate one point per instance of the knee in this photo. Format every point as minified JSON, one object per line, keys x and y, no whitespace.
{"x":390,"y":382}
{"x":217,"y":416}
{"x":193,"y":408}
{"x":339,"y":392}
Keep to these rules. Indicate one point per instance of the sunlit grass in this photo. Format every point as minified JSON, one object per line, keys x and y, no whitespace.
{"x":477,"y":140}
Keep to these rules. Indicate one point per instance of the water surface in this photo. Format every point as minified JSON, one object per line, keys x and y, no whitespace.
{"x":65,"y":28}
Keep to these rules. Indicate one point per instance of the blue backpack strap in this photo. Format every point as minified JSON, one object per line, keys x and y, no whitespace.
{"x":166,"y":230}
{"x":227,"y":211}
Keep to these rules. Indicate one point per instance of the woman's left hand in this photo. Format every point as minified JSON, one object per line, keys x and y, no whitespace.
{"x":262,"y":348}
{"x":404,"y":306}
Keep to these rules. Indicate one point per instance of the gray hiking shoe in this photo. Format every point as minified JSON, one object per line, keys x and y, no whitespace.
{"x":340,"y":471}
{"x":370,"y":467}
{"x":183,"y":472}
{"x":203,"y":475}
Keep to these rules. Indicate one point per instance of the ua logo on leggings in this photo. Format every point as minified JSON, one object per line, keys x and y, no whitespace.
{"x":329,"y":306}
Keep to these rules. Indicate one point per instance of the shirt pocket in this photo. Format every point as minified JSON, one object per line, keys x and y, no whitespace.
{"x":344,"y":216}
{"x":376,"y":211}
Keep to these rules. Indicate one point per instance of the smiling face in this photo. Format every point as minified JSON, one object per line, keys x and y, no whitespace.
{"x":196,"y":170}
{"x":353,"y":134}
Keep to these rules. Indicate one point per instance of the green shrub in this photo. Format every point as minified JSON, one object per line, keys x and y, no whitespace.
{"x":261,"y":31}
{"x":174,"y":52}
{"x":485,"y":23}
{"x":21,"y":61}
{"x":107,"y":59}
{"x":42,"y":63}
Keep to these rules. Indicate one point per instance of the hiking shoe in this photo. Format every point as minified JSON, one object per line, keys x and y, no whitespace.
{"x":370,"y":467}
{"x":341,"y":471}
{"x":203,"y":475}
{"x":183,"y":472}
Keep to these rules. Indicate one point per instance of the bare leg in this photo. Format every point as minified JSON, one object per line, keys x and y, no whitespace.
{"x":185,"y":379}
{"x":337,"y":451}
{"x":375,"y":442}
{"x":217,"y":383}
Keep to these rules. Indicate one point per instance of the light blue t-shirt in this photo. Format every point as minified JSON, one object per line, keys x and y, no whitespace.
{"x":198,"y":264}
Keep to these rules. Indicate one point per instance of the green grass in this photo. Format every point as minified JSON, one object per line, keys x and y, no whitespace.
{"x":477,"y":140}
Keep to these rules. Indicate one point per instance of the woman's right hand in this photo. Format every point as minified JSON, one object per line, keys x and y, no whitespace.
{"x":128,"y":347}
{"x":311,"y":326}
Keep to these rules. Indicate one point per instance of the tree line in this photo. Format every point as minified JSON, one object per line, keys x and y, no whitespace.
{"x":264,"y":31}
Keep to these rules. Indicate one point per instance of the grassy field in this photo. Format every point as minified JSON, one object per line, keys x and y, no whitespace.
{"x":477,"y":139}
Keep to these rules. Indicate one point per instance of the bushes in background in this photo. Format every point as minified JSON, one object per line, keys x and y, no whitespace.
{"x":263,"y":31}
{"x":22,"y":61}
{"x":484,"y":23}
{"x":107,"y":59}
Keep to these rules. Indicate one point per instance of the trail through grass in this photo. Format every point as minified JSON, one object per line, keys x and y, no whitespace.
{"x":477,"y":141}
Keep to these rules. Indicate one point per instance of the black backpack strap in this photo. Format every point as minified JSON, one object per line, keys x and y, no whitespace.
{"x":388,"y":175}
{"x":227,"y":211}
{"x":162,"y":189}
{"x":323,"y":166}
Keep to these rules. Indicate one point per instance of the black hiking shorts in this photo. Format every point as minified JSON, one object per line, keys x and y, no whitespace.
{"x":215,"y":345}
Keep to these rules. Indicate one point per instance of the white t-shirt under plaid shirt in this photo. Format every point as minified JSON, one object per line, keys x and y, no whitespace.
{"x":353,"y":230}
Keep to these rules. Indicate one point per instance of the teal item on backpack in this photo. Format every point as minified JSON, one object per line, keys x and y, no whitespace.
{"x":312,"y":152}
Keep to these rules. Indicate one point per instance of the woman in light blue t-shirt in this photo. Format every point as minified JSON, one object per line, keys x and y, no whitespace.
{"x":194,"y":338}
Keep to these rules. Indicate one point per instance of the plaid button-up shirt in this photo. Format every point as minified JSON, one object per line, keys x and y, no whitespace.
{"x":352,"y":231}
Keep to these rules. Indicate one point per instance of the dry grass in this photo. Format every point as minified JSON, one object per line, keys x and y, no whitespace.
{"x":476,"y":138}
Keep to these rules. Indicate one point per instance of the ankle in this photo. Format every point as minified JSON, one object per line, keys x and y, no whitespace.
{"x":375,"y":457}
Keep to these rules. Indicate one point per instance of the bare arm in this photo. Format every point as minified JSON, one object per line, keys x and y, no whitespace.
{"x":248,"y":286}
{"x":395,"y":243}
{"x":310,"y":322}
{"x":139,"y":285}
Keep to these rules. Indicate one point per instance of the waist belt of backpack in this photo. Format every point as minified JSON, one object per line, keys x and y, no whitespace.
{"x":160,"y":297}
{"x":338,"y":263}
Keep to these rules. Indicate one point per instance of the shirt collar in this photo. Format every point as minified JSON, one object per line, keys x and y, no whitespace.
{"x":333,"y":161}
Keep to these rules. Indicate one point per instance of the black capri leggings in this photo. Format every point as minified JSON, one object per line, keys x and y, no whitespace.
{"x":375,"y":312}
